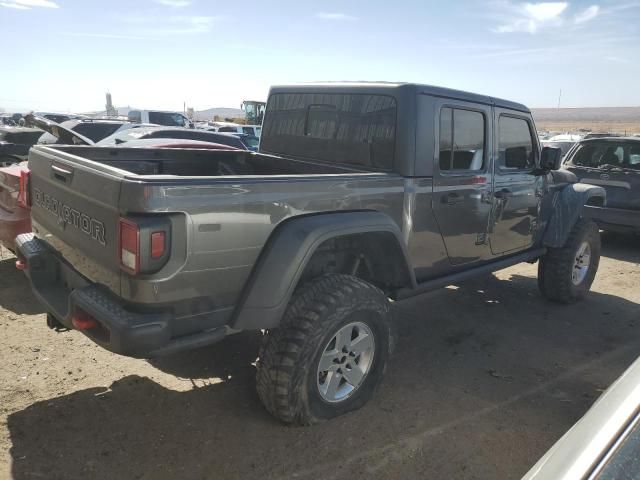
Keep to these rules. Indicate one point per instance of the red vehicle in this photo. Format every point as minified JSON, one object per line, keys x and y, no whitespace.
{"x":14,"y":211}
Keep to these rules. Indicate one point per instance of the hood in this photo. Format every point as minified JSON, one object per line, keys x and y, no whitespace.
{"x":66,"y":136}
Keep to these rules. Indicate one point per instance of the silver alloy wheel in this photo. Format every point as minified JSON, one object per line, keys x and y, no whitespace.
{"x":345,"y":362}
{"x":581,"y":263}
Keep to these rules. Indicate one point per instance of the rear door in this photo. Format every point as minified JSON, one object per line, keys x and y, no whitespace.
{"x":613,"y":164}
{"x":461,"y":181}
{"x":517,"y":191}
{"x":75,"y":210}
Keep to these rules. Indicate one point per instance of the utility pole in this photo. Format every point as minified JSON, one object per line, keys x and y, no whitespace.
{"x":559,"y":98}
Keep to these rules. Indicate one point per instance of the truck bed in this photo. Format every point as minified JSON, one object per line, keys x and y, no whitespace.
{"x":199,"y":163}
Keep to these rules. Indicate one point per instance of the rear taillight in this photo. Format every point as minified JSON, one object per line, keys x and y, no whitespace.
{"x":129,"y":246}
{"x":143,"y":243}
{"x":24,"y":198}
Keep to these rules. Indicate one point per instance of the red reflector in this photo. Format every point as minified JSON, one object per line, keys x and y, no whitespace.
{"x":157,"y":244}
{"x":21,"y":264}
{"x":478,"y":180}
{"x":23,"y":194}
{"x":81,"y":320}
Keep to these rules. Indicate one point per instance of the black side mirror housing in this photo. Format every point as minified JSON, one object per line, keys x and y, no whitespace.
{"x":550,"y":158}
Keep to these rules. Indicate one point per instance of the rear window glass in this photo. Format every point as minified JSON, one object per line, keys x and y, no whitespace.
{"x":170,"y":119}
{"x":353,"y":129}
{"x":461,"y":140}
{"x":96,"y":131}
{"x":135,"y":116}
{"x":612,"y":154}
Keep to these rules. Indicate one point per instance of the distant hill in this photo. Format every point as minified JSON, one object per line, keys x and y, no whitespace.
{"x":610,"y":114}
{"x":208,"y":114}
{"x":605,"y":119}
{"x":222,"y":112}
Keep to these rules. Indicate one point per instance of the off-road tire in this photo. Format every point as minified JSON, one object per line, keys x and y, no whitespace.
{"x":556,"y":266}
{"x":287,"y":369}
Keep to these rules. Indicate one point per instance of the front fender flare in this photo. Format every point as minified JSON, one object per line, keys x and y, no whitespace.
{"x":567,"y":206}
{"x":286,"y":254}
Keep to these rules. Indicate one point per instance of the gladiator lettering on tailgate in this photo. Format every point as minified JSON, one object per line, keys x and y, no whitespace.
{"x":70,"y":216}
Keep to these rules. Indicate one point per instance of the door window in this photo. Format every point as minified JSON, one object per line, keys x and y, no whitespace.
{"x":515,"y":144}
{"x":461,"y":140}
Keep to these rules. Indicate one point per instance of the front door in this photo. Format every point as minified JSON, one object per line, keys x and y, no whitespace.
{"x":462,"y":182}
{"x":516,"y":191}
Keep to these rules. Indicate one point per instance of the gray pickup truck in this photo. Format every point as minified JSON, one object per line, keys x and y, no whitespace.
{"x":362,"y":194}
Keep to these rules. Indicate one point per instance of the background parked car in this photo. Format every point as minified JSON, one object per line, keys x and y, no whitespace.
{"x":229,"y":127}
{"x":166,"y":132}
{"x":613,"y":163}
{"x":564,"y":142}
{"x":158,"y":117}
{"x":14,"y":212}
{"x":58,"y":117}
{"x":95,"y":130}
{"x":15,"y":143}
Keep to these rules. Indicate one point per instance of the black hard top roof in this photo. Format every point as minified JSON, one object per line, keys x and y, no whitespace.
{"x":395,"y":88}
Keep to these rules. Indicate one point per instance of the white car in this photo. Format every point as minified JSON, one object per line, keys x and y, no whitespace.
{"x":229,"y":127}
{"x":605,"y":443}
{"x":159,"y":117}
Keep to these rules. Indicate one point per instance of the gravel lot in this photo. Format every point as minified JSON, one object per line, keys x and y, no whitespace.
{"x":487,"y":375}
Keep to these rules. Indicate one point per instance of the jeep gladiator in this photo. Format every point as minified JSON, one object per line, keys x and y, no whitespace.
{"x":361,"y":194}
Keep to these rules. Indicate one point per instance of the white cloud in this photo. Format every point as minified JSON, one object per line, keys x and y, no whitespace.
{"x":14,"y":5}
{"x":341,"y":17}
{"x":587,"y":14}
{"x":28,"y":4}
{"x":174,"y":3}
{"x":530,"y":17}
{"x":173,"y":25}
{"x":104,"y":35}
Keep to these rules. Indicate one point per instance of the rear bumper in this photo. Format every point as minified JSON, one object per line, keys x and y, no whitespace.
{"x":614,"y":218}
{"x":123,"y":329}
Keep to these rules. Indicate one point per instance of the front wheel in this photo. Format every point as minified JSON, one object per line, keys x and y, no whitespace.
{"x":329,"y":353}
{"x":565,"y":274}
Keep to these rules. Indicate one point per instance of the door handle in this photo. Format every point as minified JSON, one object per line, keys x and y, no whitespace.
{"x":504,"y":193}
{"x":60,"y":173}
{"x":452,"y":199}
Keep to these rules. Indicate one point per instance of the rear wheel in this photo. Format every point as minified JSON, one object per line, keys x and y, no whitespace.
{"x":565,"y":274}
{"x":329,"y":353}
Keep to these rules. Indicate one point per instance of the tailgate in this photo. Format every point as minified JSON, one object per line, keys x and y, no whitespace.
{"x":75,"y":210}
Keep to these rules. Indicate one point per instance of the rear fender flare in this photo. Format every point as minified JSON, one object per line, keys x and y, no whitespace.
{"x":286,"y":254}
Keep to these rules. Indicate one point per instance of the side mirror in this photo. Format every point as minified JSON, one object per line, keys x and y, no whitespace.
{"x":550,"y":158}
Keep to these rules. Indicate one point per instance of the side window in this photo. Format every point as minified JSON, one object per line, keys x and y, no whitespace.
{"x":461,"y":140}
{"x":135,"y":116}
{"x":515,"y":145}
{"x":247,"y":130}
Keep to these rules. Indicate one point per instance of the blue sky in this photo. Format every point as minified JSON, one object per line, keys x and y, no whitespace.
{"x":64,"y":54}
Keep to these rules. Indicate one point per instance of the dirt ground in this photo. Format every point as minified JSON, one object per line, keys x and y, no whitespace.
{"x":487,"y":375}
